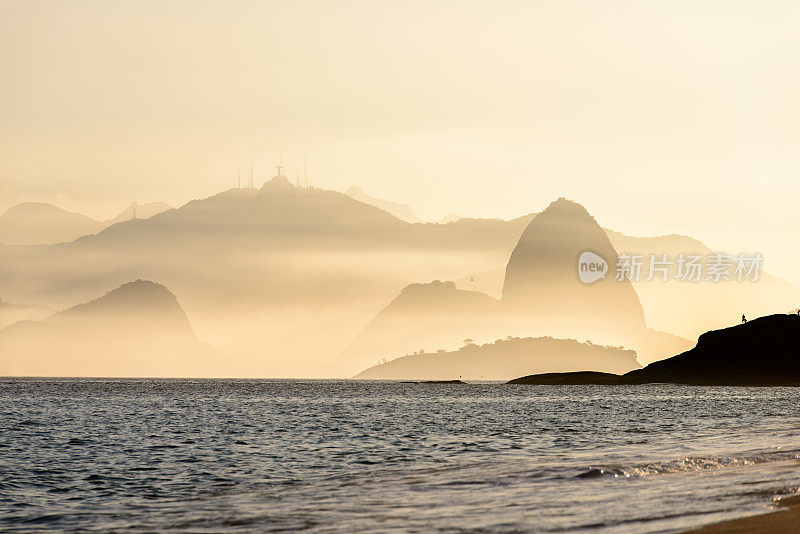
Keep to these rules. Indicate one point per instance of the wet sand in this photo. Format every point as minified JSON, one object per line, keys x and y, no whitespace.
{"x":785,"y":519}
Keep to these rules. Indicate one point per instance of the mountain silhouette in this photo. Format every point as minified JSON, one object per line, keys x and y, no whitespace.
{"x":286,"y":278}
{"x":542,"y":277}
{"x":138,"y":329}
{"x":317,"y":216}
{"x":139,"y":211}
{"x":39,"y":223}
{"x":665,"y":302}
{"x":505,"y":358}
{"x":761,"y":352}
{"x":711,"y":302}
{"x":11,"y":313}
{"x":542,"y":297}
{"x":283,"y":277}
{"x":35,"y":223}
{"x":433,"y":316}
{"x":401,"y":211}
{"x":277,"y":185}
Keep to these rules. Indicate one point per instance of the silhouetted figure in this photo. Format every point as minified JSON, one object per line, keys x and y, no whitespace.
{"x":744,"y":319}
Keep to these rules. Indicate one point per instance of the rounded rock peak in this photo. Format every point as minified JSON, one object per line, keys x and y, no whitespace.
{"x":564,"y":207}
{"x":542,"y":272}
{"x":277,"y":184}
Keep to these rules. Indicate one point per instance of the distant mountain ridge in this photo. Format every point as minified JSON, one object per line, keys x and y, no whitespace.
{"x":433,"y":316}
{"x":139,"y":211}
{"x":133,"y":298}
{"x":39,"y":223}
{"x":401,"y":211}
{"x":138,"y":329}
{"x":542,"y":296}
{"x":260,"y":270}
{"x":502,"y":359}
{"x":11,"y":313}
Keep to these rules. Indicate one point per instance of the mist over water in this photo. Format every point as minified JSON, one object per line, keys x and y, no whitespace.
{"x":296,"y":266}
{"x":142,"y":455}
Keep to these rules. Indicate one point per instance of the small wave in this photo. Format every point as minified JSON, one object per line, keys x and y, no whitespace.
{"x":37,"y":519}
{"x":694,"y":463}
{"x":597,"y":473}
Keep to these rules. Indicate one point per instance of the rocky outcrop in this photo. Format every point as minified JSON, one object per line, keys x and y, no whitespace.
{"x":762,"y":352}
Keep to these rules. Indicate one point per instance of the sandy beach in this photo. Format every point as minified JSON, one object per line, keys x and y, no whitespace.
{"x":785,"y":519}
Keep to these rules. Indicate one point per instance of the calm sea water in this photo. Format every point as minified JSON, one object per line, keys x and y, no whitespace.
{"x":341,"y":456}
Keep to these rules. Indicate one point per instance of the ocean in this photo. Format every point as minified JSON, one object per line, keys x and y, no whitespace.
{"x":144,"y":455}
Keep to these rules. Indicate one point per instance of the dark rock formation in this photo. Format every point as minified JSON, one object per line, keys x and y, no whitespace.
{"x":762,"y":352}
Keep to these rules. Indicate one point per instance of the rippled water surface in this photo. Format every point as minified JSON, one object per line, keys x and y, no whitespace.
{"x":342,"y":456}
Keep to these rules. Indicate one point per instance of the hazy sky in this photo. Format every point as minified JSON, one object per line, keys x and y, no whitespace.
{"x":659,"y":117}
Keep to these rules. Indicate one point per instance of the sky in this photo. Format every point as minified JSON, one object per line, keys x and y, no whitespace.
{"x":659,"y":117}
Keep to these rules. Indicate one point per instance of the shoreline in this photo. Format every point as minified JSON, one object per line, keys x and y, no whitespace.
{"x":784,"y":519}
